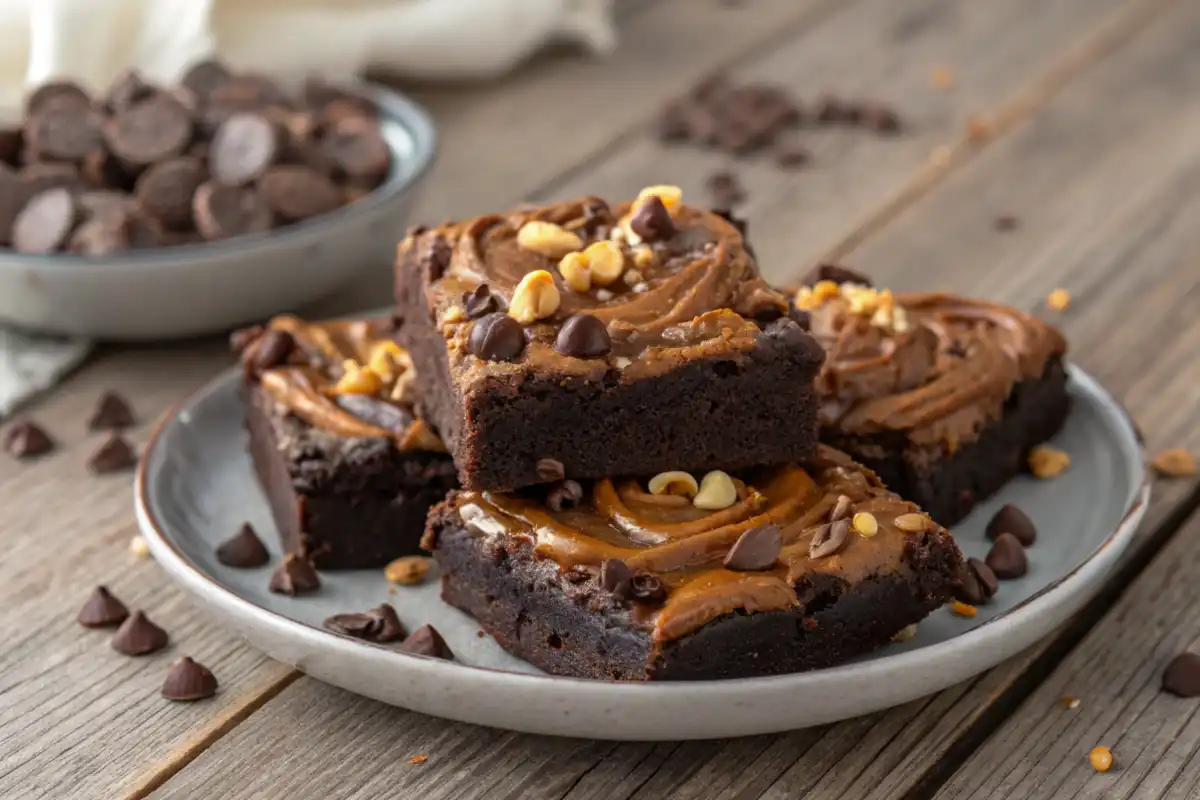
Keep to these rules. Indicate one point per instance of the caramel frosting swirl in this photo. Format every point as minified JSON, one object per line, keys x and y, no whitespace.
{"x":685,"y":546}
{"x":936,"y":366}
{"x":313,"y":383}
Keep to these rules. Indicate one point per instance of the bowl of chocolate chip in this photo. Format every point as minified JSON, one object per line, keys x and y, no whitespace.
{"x":151,"y":212}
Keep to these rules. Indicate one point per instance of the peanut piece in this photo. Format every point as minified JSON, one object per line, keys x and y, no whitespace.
{"x":575,"y":272}
{"x":717,"y":492}
{"x":1175,"y":463}
{"x":1047,"y":462}
{"x":605,"y":261}
{"x":1101,"y":759}
{"x":962,"y":609}
{"x":357,"y":379}
{"x":536,"y":297}
{"x":674,"y":482}
{"x":548,"y":239}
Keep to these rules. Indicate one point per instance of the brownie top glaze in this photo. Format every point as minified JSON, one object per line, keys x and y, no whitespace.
{"x":935,"y":365}
{"x":346,"y":377}
{"x":680,"y":554}
{"x":580,"y":288}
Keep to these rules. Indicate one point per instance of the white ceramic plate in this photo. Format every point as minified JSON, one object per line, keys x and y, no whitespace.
{"x":195,"y":487}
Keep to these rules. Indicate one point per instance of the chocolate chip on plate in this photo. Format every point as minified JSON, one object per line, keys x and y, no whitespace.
{"x":977,"y":583}
{"x":188,"y":680}
{"x":756,"y":549}
{"x":1182,"y":675}
{"x":46,"y":221}
{"x":149,"y":130}
{"x":243,"y":550}
{"x":138,"y":636}
{"x":114,"y":455}
{"x":244,"y":147}
{"x":565,"y":495}
{"x":165,"y":190}
{"x":112,"y":413}
{"x":583,"y":336}
{"x":294,"y":576}
{"x":380,"y":624}
{"x":550,"y":470}
{"x":426,"y":641}
{"x":224,"y":211}
{"x":1011,"y":519}
{"x":101,"y":610}
{"x":1007,"y":557}
{"x":496,"y":337}
{"x":27,"y":440}
{"x":652,"y":222}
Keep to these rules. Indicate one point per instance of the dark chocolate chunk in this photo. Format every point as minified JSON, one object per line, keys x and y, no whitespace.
{"x":165,"y":190}
{"x":294,"y":576}
{"x":829,"y":539}
{"x":1182,"y":675}
{"x":56,"y":94}
{"x":652,"y":222}
{"x":112,"y":413}
{"x":583,"y":336}
{"x":101,"y":236}
{"x":1007,"y":557}
{"x":223,"y":211}
{"x":565,"y":495}
{"x":377,"y":412}
{"x":832,"y":272}
{"x":145,"y":232}
{"x":38,"y":178}
{"x":481,"y":302}
{"x":792,"y":155}
{"x":647,"y":588}
{"x":426,"y":641}
{"x":102,"y":610}
{"x":977,"y":584}
{"x":268,"y":351}
{"x":1011,"y":519}
{"x":63,"y":133}
{"x":878,"y":117}
{"x":127,"y":90}
{"x":45,"y":223}
{"x":596,"y":214}
{"x":357,"y":149}
{"x":756,"y":549}
{"x":114,"y":455}
{"x":27,"y":440}
{"x":550,"y":470}
{"x":138,"y":636}
{"x":187,"y":681}
{"x":203,"y":77}
{"x":103,"y":203}
{"x":149,"y":130}
{"x":496,"y":337}
{"x":244,"y":147}
{"x":298,"y":192}
{"x":243,"y":550}
{"x":380,"y":624}
{"x":1005,"y":223}
{"x":616,"y":577}
{"x":832,"y":109}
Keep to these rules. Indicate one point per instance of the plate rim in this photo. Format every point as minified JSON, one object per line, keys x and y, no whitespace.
{"x":208,"y":591}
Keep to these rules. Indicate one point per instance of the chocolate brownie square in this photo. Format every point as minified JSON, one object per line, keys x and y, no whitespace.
{"x":942,"y":396}
{"x":350,"y":473}
{"x":772,"y":570}
{"x":591,"y":340}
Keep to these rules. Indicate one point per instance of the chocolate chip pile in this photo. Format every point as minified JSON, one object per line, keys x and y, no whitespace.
{"x":144,"y":166}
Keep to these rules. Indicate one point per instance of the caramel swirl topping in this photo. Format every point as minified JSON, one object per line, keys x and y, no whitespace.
{"x":685,"y":547}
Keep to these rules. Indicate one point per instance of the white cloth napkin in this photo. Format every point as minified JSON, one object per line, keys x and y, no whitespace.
{"x":30,"y":364}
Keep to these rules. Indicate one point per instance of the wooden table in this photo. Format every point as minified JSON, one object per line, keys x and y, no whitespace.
{"x":1085,"y":131}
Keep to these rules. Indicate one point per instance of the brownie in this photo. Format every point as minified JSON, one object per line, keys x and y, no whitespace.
{"x":611,"y":340}
{"x":350,"y":473}
{"x":807,"y":568}
{"x":942,"y":396}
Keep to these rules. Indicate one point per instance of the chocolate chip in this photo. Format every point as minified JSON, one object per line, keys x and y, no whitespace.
{"x":878,"y":117}
{"x":377,"y":412}
{"x":27,"y":440}
{"x":150,"y":130}
{"x":426,"y":641}
{"x":647,"y":588}
{"x":1007,"y":557}
{"x":550,"y":470}
{"x":832,"y":272}
{"x":583,"y":336}
{"x":102,"y":610}
{"x":615,"y":577}
{"x":166,"y":190}
{"x":725,"y":189}
{"x":831,"y":109}
{"x":380,"y":624}
{"x":298,"y":192}
{"x":127,"y":90}
{"x":243,"y":148}
{"x":1182,"y":675}
{"x":792,"y":155}
{"x":112,"y":413}
{"x":64,"y":133}
{"x":56,"y":94}
{"x":138,"y":636}
{"x":565,"y":495}
{"x":829,"y":539}
{"x":114,"y":455}
{"x":652,"y":222}
{"x":268,"y":351}
{"x":481,"y":302}
{"x":1005,"y":223}
{"x":977,"y":584}
{"x":243,"y":550}
{"x":756,"y":549}
{"x":187,"y":681}
{"x":223,"y":211}
{"x":101,"y":236}
{"x":596,"y":215}
{"x":103,"y":203}
{"x":1012,"y":520}
{"x":437,"y":258}
{"x":294,"y":576}
{"x":45,"y":222}
{"x":37,"y":178}
{"x":496,"y":337}
{"x":357,"y":149}
{"x":205,"y":76}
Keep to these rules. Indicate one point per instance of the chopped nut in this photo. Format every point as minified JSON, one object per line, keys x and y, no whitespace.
{"x":402,"y":389}
{"x":717,"y":491}
{"x":1070,"y":702}
{"x":407,"y":570}
{"x":671,"y":196}
{"x":1101,"y":759}
{"x":899,"y":319}
{"x":963,"y":609}
{"x":536,"y":297}
{"x":138,"y":547}
{"x":1058,"y":300}
{"x":389,"y":361}
{"x":823,"y":290}
{"x":548,"y":239}
{"x":633,"y":276}
{"x":575,"y":272}
{"x":420,"y":758}
{"x":604,"y":295}
{"x":865,"y":524}
{"x":639,"y":287}
{"x":1175,"y":463}
{"x":643,"y":255}
{"x":605,"y":261}
{"x":454,"y":314}
{"x":913,"y":523}
{"x":905,"y":634}
{"x":674,"y":482}
{"x":357,"y":379}
{"x":977,"y":129}
{"x":621,"y":362}
{"x":1047,"y":462}
{"x":942,"y":77}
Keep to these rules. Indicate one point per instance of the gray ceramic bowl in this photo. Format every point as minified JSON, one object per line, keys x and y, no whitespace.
{"x":195,"y":289}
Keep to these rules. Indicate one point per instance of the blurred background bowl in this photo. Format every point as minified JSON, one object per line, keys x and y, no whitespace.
{"x":174,"y":292}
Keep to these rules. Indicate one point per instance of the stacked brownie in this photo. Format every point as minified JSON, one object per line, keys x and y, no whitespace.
{"x":632,"y":413}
